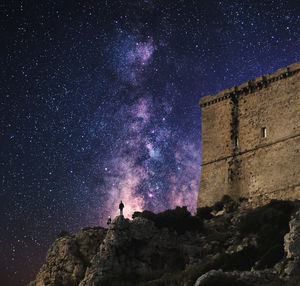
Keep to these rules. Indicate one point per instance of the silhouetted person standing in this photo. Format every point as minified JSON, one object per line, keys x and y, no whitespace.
{"x":109,"y":221}
{"x":121,"y":207}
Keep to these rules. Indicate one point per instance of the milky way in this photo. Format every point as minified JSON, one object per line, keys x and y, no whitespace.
{"x":99,"y":103}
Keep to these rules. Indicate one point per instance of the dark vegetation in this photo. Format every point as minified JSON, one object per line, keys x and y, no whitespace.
{"x":178,"y":219}
{"x":189,"y":276}
{"x":226,"y":203}
{"x":268,"y":223}
{"x":204,"y":213}
{"x":62,"y":234}
{"x":218,"y":206}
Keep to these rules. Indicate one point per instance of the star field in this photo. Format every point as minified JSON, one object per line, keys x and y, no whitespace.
{"x":99,"y":102}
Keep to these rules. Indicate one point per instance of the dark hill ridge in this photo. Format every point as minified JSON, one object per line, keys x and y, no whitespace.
{"x":233,"y":246}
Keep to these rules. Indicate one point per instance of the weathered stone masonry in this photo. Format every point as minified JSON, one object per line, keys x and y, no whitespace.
{"x":251,"y":140}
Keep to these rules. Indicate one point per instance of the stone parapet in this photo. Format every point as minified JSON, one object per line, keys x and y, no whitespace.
{"x":251,"y":85}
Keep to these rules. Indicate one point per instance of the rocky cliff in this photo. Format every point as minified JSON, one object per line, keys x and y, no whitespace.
{"x":234,"y":246}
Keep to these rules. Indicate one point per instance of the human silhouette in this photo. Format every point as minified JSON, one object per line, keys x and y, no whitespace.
{"x":121,"y":207}
{"x":109,"y":221}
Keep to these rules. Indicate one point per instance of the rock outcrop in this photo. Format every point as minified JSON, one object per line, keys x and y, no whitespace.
{"x":292,"y":247}
{"x":68,"y":257}
{"x":134,"y":248}
{"x":140,"y":252}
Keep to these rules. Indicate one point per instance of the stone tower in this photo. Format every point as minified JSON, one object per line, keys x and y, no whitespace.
{"x":251,"y":140}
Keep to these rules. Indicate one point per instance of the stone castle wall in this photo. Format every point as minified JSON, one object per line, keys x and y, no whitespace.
{"x":236,"y":157}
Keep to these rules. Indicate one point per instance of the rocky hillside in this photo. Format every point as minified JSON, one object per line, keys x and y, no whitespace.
{"x":223,"y":245}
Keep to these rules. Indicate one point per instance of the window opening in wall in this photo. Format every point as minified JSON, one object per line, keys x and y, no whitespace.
{"x":264,"y":132}
{"x":236,"y":142}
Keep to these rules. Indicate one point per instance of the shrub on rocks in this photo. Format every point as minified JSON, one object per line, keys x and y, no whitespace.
{"x":270,"y":223}
{"x":63,"y":233}
{"x":178,"y":219}
{"x":204,"y":213}
{"x":270,"y":258}
{"x":226,"y":203}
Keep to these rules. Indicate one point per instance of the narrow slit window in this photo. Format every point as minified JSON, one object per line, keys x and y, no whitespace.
{"x":264,"y":132}
{"x":236,"y":142}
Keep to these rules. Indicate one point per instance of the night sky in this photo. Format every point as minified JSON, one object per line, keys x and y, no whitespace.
{"x":99,"y":102}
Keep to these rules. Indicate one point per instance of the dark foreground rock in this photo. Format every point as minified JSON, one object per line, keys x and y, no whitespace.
{"x":237,"y":247}
{"x":68,"y":257}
